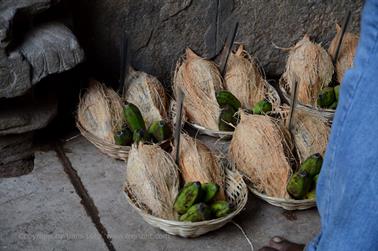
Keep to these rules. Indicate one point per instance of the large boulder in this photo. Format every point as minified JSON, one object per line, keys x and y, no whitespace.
{"x":39,"y":51}
{"x":160,"y":30}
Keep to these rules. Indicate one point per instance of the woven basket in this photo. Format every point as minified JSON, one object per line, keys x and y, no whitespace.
{"x":326,"y":113}
{"x":237,"y":195}
{"x":112,"y":150}
{"x":227,"y":135}
{"x":288,"y":204}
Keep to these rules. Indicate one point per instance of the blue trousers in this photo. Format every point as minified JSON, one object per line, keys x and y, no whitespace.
{"x":347,"y":191}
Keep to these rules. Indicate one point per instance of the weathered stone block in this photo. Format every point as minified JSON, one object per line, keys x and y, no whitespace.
{"x":160,"y":30}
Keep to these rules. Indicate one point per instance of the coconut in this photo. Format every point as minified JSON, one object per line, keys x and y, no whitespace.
{"x":243,"y":78}
{"x":199,"y":79}
{"x":346,"y":52}
{"x":152,"y":178}
{"x":100,"y":111}
{"x":261,"y":150}
{"x":310,"y":132}
{"x":198,"y":163}
{"x":311,"y":66}
{"x":148,"y":94}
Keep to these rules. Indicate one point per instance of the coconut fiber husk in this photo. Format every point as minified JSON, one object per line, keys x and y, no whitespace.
{"x":198,"y":163}
{"x":261,"y":150}
{"x":153,"y":179}
{"x":310,"y":133}
{"x":311,"y":66}
{"x":100,"y":111}
{"x":199,"y":79}
{"x":346,"y":53}
{"x":243,"y":78}
{"x":148,"y":94}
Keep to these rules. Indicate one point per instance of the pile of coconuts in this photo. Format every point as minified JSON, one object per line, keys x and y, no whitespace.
{"x":141,"y":114}
{"x":213,"y":101}
{"x":192,"y":190}
{"x":310,"y":65}
{"x":277,"y":162}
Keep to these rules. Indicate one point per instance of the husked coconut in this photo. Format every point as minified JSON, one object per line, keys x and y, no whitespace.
{"x":243,"y":78}
{"x":152,"y":178}
{"x":261,"y":150}
{"x":100,"y":111}
{"x":311,"y":67}
{"x":199,"y":79}
{"x":346,"y":52}
{"x":148,"y":94}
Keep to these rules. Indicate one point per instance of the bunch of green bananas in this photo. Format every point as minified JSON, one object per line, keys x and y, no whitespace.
{"x":328,"y":97}
{"x":134,"y":129}
{"x":195,"y":202}
{"x":302,"y":184}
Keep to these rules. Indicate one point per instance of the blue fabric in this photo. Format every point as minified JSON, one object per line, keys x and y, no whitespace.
{"x":347,"y":188}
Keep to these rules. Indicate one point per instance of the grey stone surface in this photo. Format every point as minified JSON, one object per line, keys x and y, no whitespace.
{"x":51,"y":48}
{"x":160,"y":30}
{"x":16,"y":146}
{"x":41,"y":211}
{"x":16,"y":154}
{"x":17,"y":167}
{"x":47,"y":49}
{"x":103,"y":178}
{"x":26,"y":114}
{"x":9,"y":9}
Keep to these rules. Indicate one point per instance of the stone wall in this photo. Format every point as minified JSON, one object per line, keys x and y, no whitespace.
{"x":159,"y":30}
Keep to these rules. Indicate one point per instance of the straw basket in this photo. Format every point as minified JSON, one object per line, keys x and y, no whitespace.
{"x":112,"y":150}
{"x":237,"y":195}
{"x":288,"y":204}
{"x":227,"y":135}
{"x":326,"y":113}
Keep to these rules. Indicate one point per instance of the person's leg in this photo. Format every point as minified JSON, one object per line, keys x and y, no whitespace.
{"x":347,"y":190}
{"x":348,"y":182}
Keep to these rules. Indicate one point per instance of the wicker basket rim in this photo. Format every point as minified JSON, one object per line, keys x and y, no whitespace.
{"x":94,"y":137}
{"x":292,"y":201}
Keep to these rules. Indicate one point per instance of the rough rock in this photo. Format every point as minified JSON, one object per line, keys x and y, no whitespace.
{"x":17,"y":168}
{"x":47,"y":49}
{"x":26,"y":114}
{"x":16,"y":154}
{"x":10,"y":10}
{"x":160,"y":30}
{"x":15,"y":147}
{"x":51,"y":48}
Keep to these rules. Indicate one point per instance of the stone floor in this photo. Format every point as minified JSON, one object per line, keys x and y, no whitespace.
{"x":42,"y":211}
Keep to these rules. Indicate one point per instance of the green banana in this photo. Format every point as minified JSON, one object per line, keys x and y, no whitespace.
{"x":220,"y":208}
{"x":227,"y":98}
{"x":262,"y":107}
{"x":311,"y":195}
{"x":140,"y":135}
{"x":299,"y":184}
{"x":160,"y":131}
{"x":197,"y":212}
{"x":337,"y":90}
{"x":189,"y":195}
{"x":228,"y":116}
{"x":133,"y":117}
{"x":333,"y":106}
{"x":312,"y":165}
{"x":123,"y":137}
{"x":209,"y":191}
{"x":326,"y":97}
